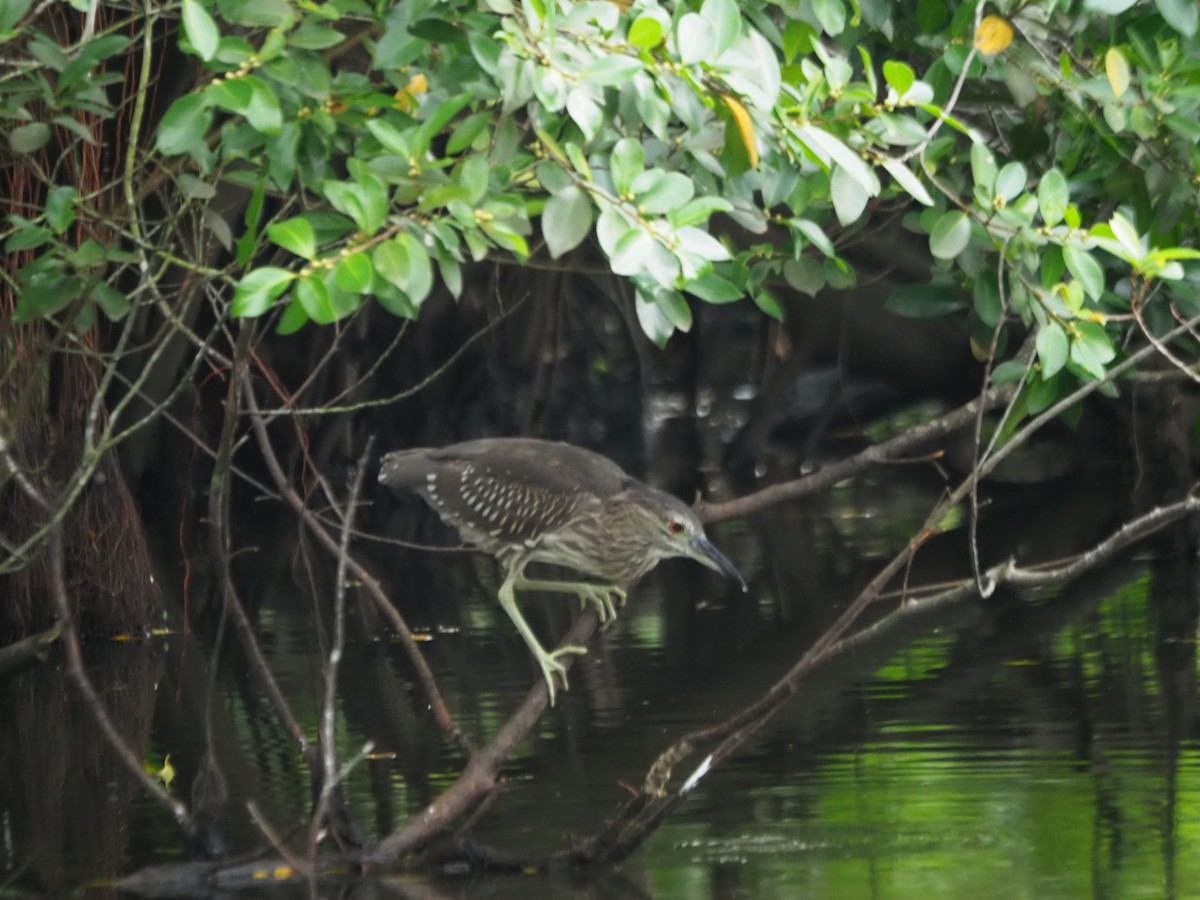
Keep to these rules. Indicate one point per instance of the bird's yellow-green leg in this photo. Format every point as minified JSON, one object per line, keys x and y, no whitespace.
{"x":599,"y":595}
{"x":548,"y":661}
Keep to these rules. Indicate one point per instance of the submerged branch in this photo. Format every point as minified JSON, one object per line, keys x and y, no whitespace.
{"x":91,"y":699}
{"x":940,"y":427}
{"x":21,"y":653}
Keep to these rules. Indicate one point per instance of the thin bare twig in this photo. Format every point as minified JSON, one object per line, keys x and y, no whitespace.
{"x":368,"y":581}
{"x":331,"y":777}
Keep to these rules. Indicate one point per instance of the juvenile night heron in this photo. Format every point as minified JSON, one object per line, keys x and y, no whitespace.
{"x":525,"y":500}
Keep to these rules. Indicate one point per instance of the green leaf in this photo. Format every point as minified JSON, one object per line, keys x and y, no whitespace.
{"x":1053,"y":197}
{"x":404,"y":262}
{"x":1179,"y":14}
{"x":911,"y":184}
{"x":1115,"y":116}
{"x":645,"y":33}
{"x":451,"y":272}
{"x":1125,"y":233}
{"x":27,"y":237}
{"x":295,"y":235}
{"x":768,"y":303}
{"x":1011,"y":181}
{"x":988,"y":304}
{"x":698,"y":210}
{"x":314,"y":299}
{"x":726,"y":21}
{"x":474,"y":176}
{"x":391,"y":137}
{"x":848,"y":194}
{"x":28,"y":138}
{"x":831,"y":14}
{"x":611,"y":70}
{"x":925,"y":301}
{"x":931,"y":14}
{"x":1091,"y":349}
{"x":899,"y":76}
{"x":268,"y":13}
{"x":627,"y":162}
{"x":232,"y":94}
{"x":248,"y":242}
{"x":200,"y":29}
{"x":391,"y":262}
{"x":675,"y":308}
{"x":437,"y":120}
{"x":420,"y":279}
{"x":829,"y":148}
{"x":395,"y":300}
{"x":807,"y":275}
{"x":713,"y":289}
{"x":1093,"y":335}
{"x":566,"y":220}
{"x":660,"y":192}
{"x":578,"y":160}
{"x":585,"y":111}
{"x":294,"y":316}
{"x":263,"y":111}
{"x":696,"y":38}
{"x":361,"y":202}
{"x":1084,"y":267}
{"x":654,"y":322}
{"x":950,"y":235}
{"x":983,"y":167}
{"x":631,"y":252}
{"x":815,"y":235}
{"x":702,"y":244}
{"x":466,"y":132}
{"x":112,"y":302}
{"x":1052,"y":348}
{"x":437,"y":30}
{"x":12,"y":11}
{"x":553,"y":177}
{"x":1041,"y":393}
{"x":311,"y":36}
{"x":1008,"y":372}
{"x":60,"y":208}
{"x":354,"y":274}
{"x":196,"y":188}
{"x":258,"y":290}
{"x":798,"y":39}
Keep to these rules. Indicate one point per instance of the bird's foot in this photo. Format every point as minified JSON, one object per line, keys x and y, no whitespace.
{"x":601,"y":596}
{"x":551,"y":666}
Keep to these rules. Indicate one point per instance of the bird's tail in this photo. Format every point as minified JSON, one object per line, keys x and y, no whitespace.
{"x":404,"y":468}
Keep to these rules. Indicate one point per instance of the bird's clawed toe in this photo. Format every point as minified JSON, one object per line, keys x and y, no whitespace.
{"x":551,"y":666}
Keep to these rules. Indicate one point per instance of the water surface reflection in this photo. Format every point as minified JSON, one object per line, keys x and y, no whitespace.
{"x":1025,"y":746}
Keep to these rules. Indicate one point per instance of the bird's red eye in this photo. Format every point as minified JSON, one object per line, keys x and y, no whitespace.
{"x":675,"y":526}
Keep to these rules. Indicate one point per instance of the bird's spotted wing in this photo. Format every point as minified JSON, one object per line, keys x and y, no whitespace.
{"x":504,"y":491}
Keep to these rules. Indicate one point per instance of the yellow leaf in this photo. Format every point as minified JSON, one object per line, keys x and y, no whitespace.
{"x":1117,"y":70}
{"x":745,"y":127}
{"x":406,"y":97}
{"x":166,"y":774}
{"x":994,"y":35}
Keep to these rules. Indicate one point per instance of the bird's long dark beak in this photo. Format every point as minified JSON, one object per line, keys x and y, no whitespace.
{"x":710,"y":556}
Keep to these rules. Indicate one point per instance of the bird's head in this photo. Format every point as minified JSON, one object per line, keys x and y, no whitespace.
{"x":671,"y":528}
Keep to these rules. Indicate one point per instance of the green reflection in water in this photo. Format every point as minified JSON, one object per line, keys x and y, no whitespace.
{"x":1027,"y":800}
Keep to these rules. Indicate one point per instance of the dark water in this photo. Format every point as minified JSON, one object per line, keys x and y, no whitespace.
{"x":1028,"y":746}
